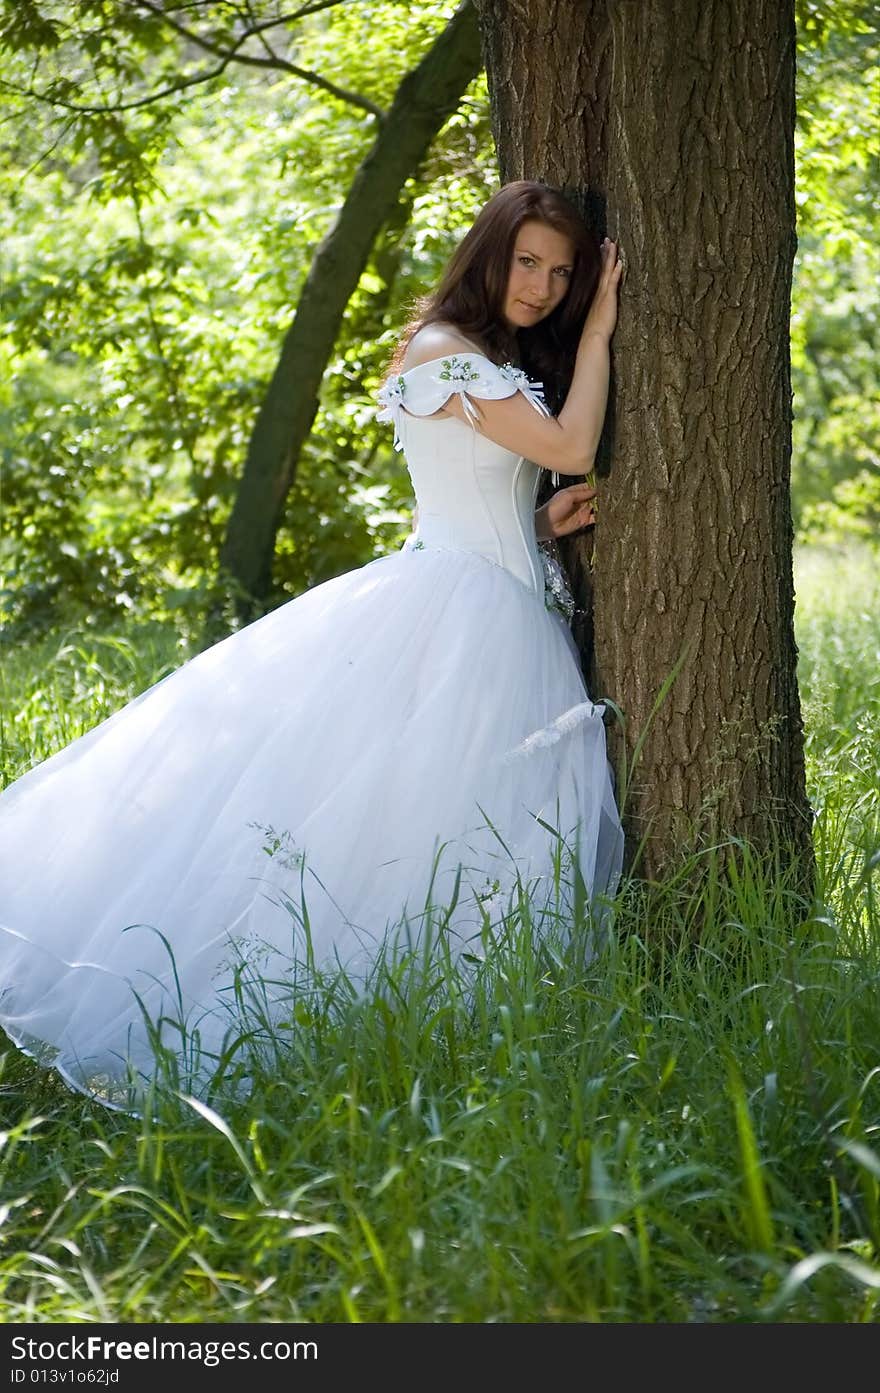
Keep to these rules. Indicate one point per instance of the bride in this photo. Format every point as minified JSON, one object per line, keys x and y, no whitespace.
{"x":392,"y":759}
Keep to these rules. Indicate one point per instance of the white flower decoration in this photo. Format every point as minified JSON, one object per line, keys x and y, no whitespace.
{"x":514,"y":375}
{"x":391,"y":395}
{"x":390,"y":398}
{"x":532,"y":391}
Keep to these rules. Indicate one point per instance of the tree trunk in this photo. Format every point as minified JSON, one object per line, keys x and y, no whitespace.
{"x":671,"y":124}
{"x":425,"y":99}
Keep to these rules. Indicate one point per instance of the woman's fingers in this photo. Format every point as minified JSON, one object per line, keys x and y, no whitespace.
{"x":613,"y":261}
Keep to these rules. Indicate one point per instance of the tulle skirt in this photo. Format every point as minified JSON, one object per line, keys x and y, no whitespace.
{"x":401,"y":751}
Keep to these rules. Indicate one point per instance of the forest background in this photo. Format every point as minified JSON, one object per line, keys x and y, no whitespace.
{"x":153,"y":260}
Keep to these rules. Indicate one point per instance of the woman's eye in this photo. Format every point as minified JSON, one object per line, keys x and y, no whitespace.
{"x":564,"y":272}
{"x":526,"y":261}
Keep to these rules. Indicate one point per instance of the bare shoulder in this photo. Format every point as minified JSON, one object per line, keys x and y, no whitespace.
{"x":436,"y":341}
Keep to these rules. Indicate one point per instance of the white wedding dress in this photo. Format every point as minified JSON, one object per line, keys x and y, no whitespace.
{"x":318,"y":784}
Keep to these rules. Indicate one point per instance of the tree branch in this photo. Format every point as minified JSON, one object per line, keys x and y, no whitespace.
{"x":227,"y":56}
{"x":275,"y":62}
{"x":317,"y":7}
{"x":50,"y":100}
{"x":263,"y":41}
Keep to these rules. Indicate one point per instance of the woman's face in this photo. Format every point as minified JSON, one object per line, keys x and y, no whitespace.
{"x":543,"y":260}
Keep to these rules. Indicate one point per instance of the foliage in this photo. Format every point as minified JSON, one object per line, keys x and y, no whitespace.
{"x":836,"y":319}
{"x":144,"y":314}
{"x":153,"y":256}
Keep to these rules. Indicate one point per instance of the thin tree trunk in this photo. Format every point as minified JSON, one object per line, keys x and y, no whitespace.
{"x":427,"y":96}
{"x":671,"y":123}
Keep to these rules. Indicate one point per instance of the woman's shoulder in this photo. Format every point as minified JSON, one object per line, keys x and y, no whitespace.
{"x":437,"y":341}
{"x":441,"y":362}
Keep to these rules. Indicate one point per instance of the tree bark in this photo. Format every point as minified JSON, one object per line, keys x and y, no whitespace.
{"x":670,"y":123}
{"x":426,"y":97}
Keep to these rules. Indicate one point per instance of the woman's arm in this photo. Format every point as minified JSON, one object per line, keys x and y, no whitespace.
{"x":567,"y":443}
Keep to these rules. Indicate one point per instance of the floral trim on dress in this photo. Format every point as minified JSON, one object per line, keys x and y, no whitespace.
{"x":532,"y":391}
{"x":426,"y":388}
{"x":557,"y":595}
{"x":390,"y":398}
{"x":457,"y":370}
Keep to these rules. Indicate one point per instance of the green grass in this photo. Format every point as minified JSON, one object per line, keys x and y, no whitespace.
{"x":677,"y":1132}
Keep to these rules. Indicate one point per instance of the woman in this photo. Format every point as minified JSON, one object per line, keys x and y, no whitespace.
{"x":391,"y":757}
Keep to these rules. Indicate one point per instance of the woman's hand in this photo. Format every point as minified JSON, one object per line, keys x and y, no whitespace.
{"x":602,"y":318}
{"x":567,"y":511}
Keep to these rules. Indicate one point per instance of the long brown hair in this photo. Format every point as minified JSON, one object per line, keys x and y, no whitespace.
{"x":472,"y":292}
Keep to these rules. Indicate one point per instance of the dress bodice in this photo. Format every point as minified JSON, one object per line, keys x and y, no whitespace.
{"x":472,"y":494}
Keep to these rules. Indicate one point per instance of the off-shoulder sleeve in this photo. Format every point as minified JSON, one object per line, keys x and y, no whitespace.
{"x":426,"y":388}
